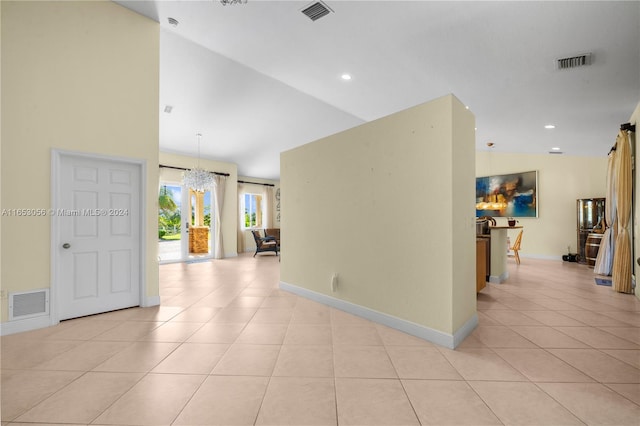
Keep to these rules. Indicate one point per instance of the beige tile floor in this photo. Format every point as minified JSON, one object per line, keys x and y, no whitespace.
{"x":227,"y":347}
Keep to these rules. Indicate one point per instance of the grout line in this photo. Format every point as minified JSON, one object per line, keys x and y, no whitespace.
{"x":519,"y":288}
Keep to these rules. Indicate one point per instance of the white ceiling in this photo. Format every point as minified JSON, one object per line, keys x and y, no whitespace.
{"x":260,"y":78}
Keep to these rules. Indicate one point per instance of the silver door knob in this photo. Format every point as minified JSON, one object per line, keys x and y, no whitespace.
{"x":66,"y":245}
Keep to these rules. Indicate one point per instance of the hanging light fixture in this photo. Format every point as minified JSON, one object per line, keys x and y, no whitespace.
{"x":198,"y":179}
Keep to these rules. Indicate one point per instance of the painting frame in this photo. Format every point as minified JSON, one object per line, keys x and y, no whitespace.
{"x":507,"y":195}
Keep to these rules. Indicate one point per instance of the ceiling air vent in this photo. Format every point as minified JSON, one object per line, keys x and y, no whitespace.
{"x":574,"y":61}
{"x":316,"y":10}
{"x":556,"y":152}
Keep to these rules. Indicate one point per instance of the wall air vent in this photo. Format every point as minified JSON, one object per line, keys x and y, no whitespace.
{"x":574,"y":61}
{"x":28,"y":304}
{"x":316,"y":10}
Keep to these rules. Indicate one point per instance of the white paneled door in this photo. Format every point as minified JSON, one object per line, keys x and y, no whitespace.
{"x":98,"y":220}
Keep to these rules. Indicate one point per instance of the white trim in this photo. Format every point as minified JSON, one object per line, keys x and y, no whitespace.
{"x":150,"y":301}
{"x":497,"y":279}
{"x":143,"y":231}
{"x":464,"y":331}
{"x":54,"y":236}
{"x":435,"y":336}
{"x":56,"y":158}
{"x":19,"y":326}
{"x":539,"y":256}
{"x":185,"y":212}
{"x":43,"y":321}
{"x":170,"y":261}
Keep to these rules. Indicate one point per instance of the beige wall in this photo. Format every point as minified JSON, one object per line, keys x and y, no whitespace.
{"x":230,"y":207}
{"x":3,"y":296}
{"x":561,"y":181}
{"x":76,"y":76}
{"x":462,"y":185}
{"x":388,"y":206}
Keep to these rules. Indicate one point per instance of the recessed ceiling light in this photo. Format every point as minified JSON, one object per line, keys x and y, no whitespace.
{"x":346,"y":76}
{"x":549,"y":126}
{"x":555,"y":148}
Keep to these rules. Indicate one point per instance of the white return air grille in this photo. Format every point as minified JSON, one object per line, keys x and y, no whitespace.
{"x":28,"y":304}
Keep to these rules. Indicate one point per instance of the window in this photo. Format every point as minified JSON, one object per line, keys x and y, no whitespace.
{"x":252,"y":210}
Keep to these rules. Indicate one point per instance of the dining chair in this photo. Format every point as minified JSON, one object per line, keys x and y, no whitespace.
{"x":515,"y":248}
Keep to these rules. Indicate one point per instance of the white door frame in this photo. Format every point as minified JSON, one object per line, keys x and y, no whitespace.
{"x":185,"y":223}
{"x":56,"y":159}
{"x":184,"y":249}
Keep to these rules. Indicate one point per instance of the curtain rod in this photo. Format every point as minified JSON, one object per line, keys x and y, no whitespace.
{"x":628,"y":126}
{"x":256,"y":183}
{"x":624,"y":127}
{"x":162,"y":166}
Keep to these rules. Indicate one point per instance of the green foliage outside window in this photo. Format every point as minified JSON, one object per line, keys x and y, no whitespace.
{"x":169,"y":219}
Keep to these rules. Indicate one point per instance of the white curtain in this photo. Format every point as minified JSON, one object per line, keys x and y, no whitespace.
{"x":604,"y":261}
{"x":219,"y":183}
{"x":622,"y":267}
{"x":241,"y":190}
{"x":268,"y":197}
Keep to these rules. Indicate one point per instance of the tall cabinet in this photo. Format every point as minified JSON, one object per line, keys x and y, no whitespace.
{"x":590,"y":215}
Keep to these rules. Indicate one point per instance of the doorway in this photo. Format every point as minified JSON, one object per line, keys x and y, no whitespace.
{"x":170,"y":223}
{"x":185,"y":224}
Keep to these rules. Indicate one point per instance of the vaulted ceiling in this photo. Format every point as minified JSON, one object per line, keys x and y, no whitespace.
{"x":260,"y":78}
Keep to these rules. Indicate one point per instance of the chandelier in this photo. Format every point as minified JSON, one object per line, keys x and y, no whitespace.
{"x":198,"y":179}
{"x":226,"y":2}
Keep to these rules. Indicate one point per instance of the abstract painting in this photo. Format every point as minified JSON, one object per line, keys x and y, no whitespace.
{"x":513,"y":195}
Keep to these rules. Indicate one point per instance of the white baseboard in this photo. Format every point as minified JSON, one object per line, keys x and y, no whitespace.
{"x":540,"y":256}
{"x":497,"y":279}
{"x":28,"y":324}
{"x":150,"y":301}
{"x":35,"y":323}
{"x":434,"y":336}
{"x":466,"y":329}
